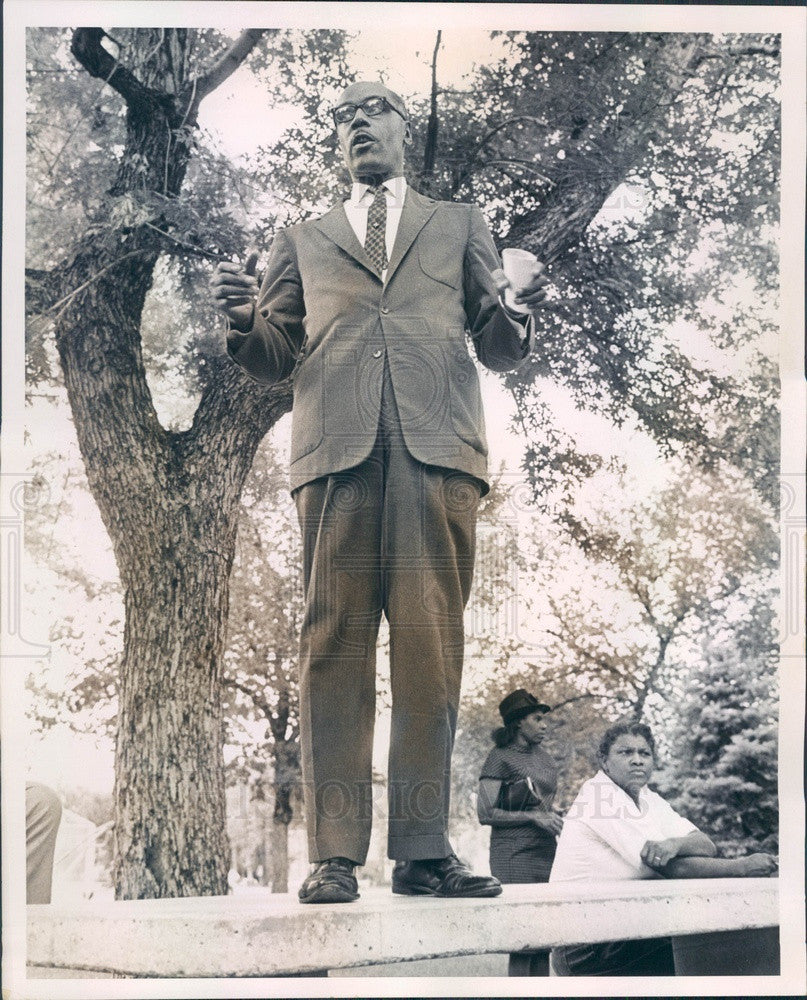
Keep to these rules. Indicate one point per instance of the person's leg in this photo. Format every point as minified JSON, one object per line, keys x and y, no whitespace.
{"x":649,"y":957}
{"x":340,"y":520}
{"x":43,"y":813}
{"x":429,"y":536}
{"x":528,"y":963}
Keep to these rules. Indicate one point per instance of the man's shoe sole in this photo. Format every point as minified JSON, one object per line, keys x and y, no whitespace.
{"x":329,"y":894}
{"x":484,"y":892}
{"x":412,"y":890}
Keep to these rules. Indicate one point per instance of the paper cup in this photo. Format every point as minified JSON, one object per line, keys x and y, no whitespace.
{"x":518,"y":266}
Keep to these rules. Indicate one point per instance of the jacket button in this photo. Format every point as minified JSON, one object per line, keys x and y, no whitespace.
{"x":384,"y":310}
{"x":376,"y":354}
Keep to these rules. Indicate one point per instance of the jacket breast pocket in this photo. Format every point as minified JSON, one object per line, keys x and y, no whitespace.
{"x":442,"y":259}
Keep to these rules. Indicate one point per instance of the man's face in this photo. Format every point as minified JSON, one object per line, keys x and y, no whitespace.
{"x":373,"y":146}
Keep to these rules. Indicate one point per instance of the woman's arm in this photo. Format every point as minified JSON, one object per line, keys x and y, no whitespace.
{"x":752,"y":866}
{"x":657,"y":853}
{"x":693,"y":856}
{"x":490,"y":815}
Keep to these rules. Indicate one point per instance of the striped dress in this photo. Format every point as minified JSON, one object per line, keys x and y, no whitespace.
{"x":522,"y":853}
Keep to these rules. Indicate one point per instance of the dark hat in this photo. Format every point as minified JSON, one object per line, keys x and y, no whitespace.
{"x":520,"y":703}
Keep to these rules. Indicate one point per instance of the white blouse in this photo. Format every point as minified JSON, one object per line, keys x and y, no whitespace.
{"x":604,"y":832}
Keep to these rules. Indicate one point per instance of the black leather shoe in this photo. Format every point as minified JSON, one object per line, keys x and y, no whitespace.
{"x":330,"y":881}
{"x":441,"y":877}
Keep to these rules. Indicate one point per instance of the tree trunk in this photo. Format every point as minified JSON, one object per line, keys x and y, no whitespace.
{"x":265,"y":850}
{"x":281,"y":818}
{"x":558,"y":224}
{"x":280,"y":853}
{"x":169,"y":778}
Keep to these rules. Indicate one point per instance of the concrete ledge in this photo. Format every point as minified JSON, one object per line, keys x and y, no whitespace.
{"x":275,"y":935}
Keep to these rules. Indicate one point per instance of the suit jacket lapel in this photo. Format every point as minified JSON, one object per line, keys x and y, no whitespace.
{"x":416,"y":213}
{"x":335,"y":226}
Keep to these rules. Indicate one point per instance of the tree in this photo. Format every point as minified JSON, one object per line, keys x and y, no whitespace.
{"x":722,"y":771}
{"x":168,"y":500}
{"x":629,"y":605}
{"x":558,"y":139}
{"x":669,"y":568}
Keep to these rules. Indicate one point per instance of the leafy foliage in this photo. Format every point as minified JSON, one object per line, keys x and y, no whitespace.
{"x":260,"y":678}
{"x":723,"y":772}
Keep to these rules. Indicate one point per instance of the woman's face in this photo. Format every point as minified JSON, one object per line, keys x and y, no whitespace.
{"x":629,"y":763}
{"x":533,"y":727}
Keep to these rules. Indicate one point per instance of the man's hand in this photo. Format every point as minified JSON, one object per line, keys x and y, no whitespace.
{"x":657,"y":853}
{"x":234,"y":289}
{"x":548,"y":821}
{"x":532,"y":295}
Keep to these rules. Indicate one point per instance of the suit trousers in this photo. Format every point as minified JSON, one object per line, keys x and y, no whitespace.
{"x":394,"y":536}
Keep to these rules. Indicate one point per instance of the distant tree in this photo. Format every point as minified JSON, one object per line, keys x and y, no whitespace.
{"x":722,"y":768}
{"x":260,"y":662}
{"x":624,"y":606}
{"x":662,"y":571}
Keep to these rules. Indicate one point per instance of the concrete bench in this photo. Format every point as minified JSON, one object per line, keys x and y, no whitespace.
{"x":274,"y":935}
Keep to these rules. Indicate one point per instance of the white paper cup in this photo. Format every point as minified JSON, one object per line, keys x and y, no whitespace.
{"x":518,"y":265}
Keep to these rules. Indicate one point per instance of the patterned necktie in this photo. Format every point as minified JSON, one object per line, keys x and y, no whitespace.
{"x":375,"y":242}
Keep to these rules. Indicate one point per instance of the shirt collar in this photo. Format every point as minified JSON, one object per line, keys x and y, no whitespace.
{"x":396,"y":186}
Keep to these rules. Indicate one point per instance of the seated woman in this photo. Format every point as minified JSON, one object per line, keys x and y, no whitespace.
{"x":617,"y":828}
{"x":516,"y":789}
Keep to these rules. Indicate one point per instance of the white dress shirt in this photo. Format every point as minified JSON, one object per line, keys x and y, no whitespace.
{"x":604,"y":832}
{"x":357,"y":206}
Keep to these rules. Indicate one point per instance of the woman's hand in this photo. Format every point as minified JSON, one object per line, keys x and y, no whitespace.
{"x":757,"y":865}
{"x":548,"y":821}
{"x":657,"y":853}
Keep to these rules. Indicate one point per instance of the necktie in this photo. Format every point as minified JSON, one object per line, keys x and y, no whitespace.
{"x":375,"y":242}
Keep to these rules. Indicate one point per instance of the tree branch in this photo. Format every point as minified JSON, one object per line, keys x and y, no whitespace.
{"x":596,"y":697}
{"x":228,"y":63}
{"x":254,"y":696}
{"x":68,"y":298}
{"x":597,"y":661}
{"x":756,"y":50}
{"x":486,"y":139}
{"x":87,"y":48}
{"x":430,"y":149}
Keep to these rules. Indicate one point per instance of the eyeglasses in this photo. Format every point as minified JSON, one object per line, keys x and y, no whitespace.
{"x":372,"y":106}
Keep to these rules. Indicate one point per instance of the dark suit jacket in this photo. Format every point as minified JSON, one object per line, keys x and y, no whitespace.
{"x":323,"y":309}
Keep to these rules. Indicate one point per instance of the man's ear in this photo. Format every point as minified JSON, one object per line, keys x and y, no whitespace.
{"x":408,"y":135}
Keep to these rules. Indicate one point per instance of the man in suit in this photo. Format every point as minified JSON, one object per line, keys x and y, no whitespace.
{"x":369,"y":307}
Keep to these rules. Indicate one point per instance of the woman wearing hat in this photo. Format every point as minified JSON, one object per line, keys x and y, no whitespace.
{"x":516,"y":789}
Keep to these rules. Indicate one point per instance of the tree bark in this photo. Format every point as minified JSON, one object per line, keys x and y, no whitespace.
{"x":169,"y":501}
